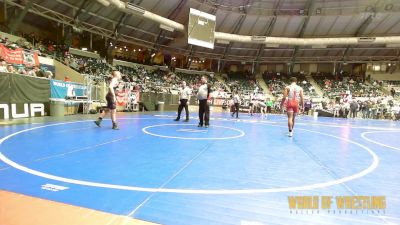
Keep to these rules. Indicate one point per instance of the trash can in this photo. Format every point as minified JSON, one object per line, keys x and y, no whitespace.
{"x":57,"y":107}
{"x":160,"y":106}
{"x":315,"y":114}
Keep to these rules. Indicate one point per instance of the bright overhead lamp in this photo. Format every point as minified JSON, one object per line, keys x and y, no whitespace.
{"x":135,"y":8}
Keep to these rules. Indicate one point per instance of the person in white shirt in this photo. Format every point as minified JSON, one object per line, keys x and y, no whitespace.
{"x":3,"y":66}
{"x":184,"y":97}
{"x":236,"y":103}
{"x":251,"y":104}
{"x":263,"y":108}
{"x":111,"y":101}
{"x":336,"y":110}
{"x":35,"y":70}
{"x":203,"y":95}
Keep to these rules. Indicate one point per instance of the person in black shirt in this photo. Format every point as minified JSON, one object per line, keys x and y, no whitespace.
{"x":392,"y":92}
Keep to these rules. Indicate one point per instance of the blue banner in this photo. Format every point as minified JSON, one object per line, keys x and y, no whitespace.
{"x":62,"y":89}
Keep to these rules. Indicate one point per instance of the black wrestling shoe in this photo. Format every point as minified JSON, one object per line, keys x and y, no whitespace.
{"x":115,"y":126}
{"x":98,"y":123}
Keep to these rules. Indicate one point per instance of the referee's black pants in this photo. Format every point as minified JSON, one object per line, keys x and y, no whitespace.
{"x":182,"y":105}
{"x":204,"y":112}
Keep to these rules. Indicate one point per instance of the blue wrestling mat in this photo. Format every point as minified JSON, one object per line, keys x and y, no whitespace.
{"x":235,"y":172}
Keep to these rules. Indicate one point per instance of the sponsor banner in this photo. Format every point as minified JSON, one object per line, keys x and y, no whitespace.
{"x":127,"y":95}
{"x":19,"y":56}
{"x":22,"y":110}
{"x":122,"y":97}
{"x":218,"y":101}
{"x":23,"y":96}
{"x":61,"y":89}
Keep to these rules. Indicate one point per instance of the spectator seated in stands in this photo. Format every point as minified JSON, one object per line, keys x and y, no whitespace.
{"x":242,"y":82}
{"x":3,"y":66}
{"x":11,"y":69}
{"x":277,"y":83}
{"x":34,"y":72}
{"x":22,"y":70}
{"x":90,"y":66}
{"x":338,"y":87}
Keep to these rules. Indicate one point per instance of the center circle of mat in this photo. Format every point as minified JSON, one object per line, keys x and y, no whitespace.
{"x":159,"y":133}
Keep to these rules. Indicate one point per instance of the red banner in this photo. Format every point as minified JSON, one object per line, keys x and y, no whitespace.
{"x":218,"y":101}
{"x":19,"y":56}
{"x":122,"y":97}
{"x":127,"y":95}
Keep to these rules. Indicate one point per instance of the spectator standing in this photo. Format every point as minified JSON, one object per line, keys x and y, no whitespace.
{"x":392,"y":92}
{"x":270,"y":104}
{"x":353,"y":109}
{"x":307,"y":106}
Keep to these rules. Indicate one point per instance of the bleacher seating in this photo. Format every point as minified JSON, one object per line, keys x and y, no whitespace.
{"x":373,"y":103}
{"x":333,"y":88}
{"x":277,"y":83}
{"x":242,"y":82}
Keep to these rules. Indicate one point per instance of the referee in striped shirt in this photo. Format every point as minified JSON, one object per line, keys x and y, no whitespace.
{"x":184,"y":97}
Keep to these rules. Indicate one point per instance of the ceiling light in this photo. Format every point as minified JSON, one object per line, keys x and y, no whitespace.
{"x":135,"y":8}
